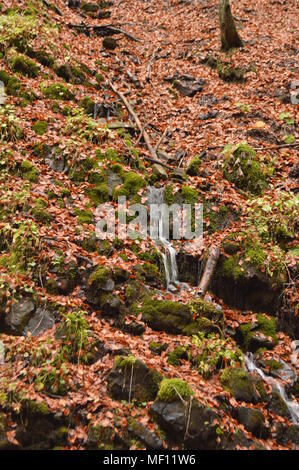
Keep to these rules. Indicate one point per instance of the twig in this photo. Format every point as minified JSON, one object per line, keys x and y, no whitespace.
{"x":150,"y":64}
{"x":131,"y":381}
{"x":155,"y":160}
{"x":137,"y":120}
{"x":102,"y":30}
{"x":210,"y":266}
{"x":141,"y":133}
{"x":161,"y":139}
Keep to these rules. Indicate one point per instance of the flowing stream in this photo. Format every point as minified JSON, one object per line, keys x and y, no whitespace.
{"x":155,"y":200}
{"x":292,"y":405}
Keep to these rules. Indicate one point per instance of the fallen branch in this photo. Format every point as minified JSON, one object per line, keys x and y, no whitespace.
{"x":214,"y":253}
{"x":150,"y":64}
{"x":161,"y":139}
{"x":102,"y":30}
{"x":138,"y":123}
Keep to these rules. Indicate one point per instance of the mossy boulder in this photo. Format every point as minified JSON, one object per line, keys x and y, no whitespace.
{"x":175,"y":317}
{"x":130,"y":379}
{"x":40,"y":212}
{"x":41,"y":56}
{"x":133,"y":182}
{"x":193,"y":167}
{"x":23,"y":65}
{"x":175,"y":357}
{"x":70,"y":73}
{"x":28,"y":171}
{"x":261,"y":334}
{"x":243,"y":285}
{"x":99,"y":194}
{"x":278,"y":406}
{"x":242,"y":167}
{"x":240,"y":384}
{"x":57,"y":91}
{"x":157,"y":348}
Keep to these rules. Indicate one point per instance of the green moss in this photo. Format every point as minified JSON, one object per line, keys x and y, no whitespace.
{"x":99,"y":277}
{"x":70,"y":73}
{"x":99,"y":194}
{"x":267,"y":326}
{"x":90,"y":7}
{"x":132,"y":184}
{"x":201,"y":308}
{"x":118,"y":169}
{"x":125,"y":361}
{"x":13,"y":86}
{"x":22,"y":64}
{"x":231,"y":267}
{"x":57,"y":91}
{"x":149,"y":271}
{"x":168,"y":194}
{"x":175,"y":356}
{"x":29,"y":171}
{"x":84,"y":216}
{"x":40,"y":213}
{"x":157,"y":348}
{"x":242,"y":168}
{"x":35,"y":407}
{"x":174,"y":390}
{"x":41,"y":56}
{"x":40,"y":127}
{"x":193,"y":167}
{"x":273,"y":365}
{"x":229,"y":73}
{"x":190,"y":195}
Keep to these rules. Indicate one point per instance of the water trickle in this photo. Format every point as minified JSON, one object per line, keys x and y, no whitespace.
{"x":292,"y":405}
{"x":155,"y":200}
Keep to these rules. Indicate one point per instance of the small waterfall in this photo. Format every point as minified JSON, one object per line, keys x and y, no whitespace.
{"x":155,"y":200}
{"x":292,"y":405}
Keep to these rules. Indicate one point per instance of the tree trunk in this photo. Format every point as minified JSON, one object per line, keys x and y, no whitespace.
{"x":229,"y":35}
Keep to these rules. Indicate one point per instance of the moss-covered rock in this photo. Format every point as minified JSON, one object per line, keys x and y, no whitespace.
{"x":99,"y":194}
{"x":22,"y":64}
{"x":40,"y":127}
{"x":84,"y":216}
{"x":175,"y":356}
{"x":133,"y":182}
{"x":193,"y":167}
{"x":157,"y":348}
{"x":173,"y":390}
{"x":70,"y":73}
{"x":130,"y":379}
{"x":253,"y":421}
{"x":229,"y":73}
{"x":57,"y":91}
{"x":88,"y":105}
{"x":261,"y":334}
{"x":40,"y":212}
{"x":239,"y":384}
{"x":241,"y":167}
{"x":28,"y":171}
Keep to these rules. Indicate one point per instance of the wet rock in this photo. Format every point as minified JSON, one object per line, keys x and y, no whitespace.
{"x":145,"y":435}
{"x":130,"y":379}
{"x":253,"y":421}
{"x":287,"y":434}
{"x":19,"y":315}
{"x":188,"y":86}
{"x":278,"y":368}
{"x":189,"y":268}
{"x":288,"y":320}
{"x":42,"y":320}
{"x":261,"y":334}
{"x":173,"y":419}
{"x":278,"y":405}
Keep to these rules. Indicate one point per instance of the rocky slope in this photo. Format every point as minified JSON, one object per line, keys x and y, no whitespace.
{"x":95,"y":352}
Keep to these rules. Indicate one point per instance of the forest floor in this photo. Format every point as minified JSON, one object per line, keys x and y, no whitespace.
{"x":48,"y":204}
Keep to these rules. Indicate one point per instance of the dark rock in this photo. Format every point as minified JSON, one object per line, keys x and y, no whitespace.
{"x":188,"y":86}
{"x":145,"y":435}
{"x":208,"y":100}
{"x":134,"y":328}
{"x":157,"y":348}
{"x":253,"y":421}
{"x":42,"y":320}
{"x":287,"y":434}
{"x":178,"y":174}
{"x":278,"y":368}
{"x":288,"y":320}
{"x":159,"y":171}
{"x":19,"y":315}
{"x":108,"y":109}
{"x":189,"y":268}
{"x":209,"y":115}
{"x":110,"y":43}
{"x":251,"y":291}
{"x":173,"y":419}
{"x":130,"y":379}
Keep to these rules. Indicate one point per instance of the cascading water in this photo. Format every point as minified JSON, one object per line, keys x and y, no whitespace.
{"x":155,"y":200}
{"x":292,"y":405}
